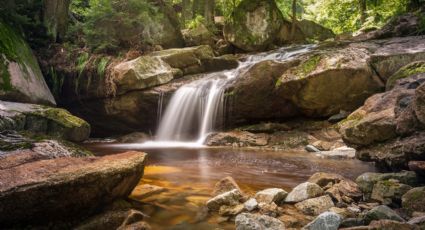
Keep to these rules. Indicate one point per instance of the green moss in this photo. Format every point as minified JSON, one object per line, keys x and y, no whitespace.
{"x":5,"y":83}
{"x":278,"y":83}
{"x":351,"y":120}
{"x":406,"y":71}
{"x":61,"y":116}
{"x":101,"y":66}
{"x":308,"y":66}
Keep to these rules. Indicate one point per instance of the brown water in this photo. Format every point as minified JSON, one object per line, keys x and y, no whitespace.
{"x":190,"y":175}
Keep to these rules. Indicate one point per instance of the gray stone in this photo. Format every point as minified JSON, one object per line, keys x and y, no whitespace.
{"x":247,"y":221}
{"x":312,"y":149}
{"x":381,"y":212}
{"x":366,"y":181}
{"x":228,"y":198}
{"x":304,"y":191}
{"x":325,"y":221}
{"x":251,"y":204}
{"x":389,"y":192}
{"x":271,"y":195}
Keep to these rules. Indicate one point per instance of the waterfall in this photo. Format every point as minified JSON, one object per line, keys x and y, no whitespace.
{"x":195,"y":108}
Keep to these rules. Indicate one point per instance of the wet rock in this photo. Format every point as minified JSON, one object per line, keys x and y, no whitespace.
{"x":247,"y":221}
{"x":251,"y":204}
{"x":136,"y":137}
{"x":43,"y":120}
{"x":323,"y":179}
{"x":366,"y":181}
{"x":312,"y":149}
{"x":271,"y":195}
{"x":253,"y":25}
{"x":315,"y":206}
{"x":345,"y":191}
{"x":39,"y":192}
{"x":238,"y":137}
{"x":22,"y":80}
{"x":231,"y":210}
{"x":142,"y":73}
{"x":420,"y":221}
{"x":304,"y":191}
{"x":266,"y":128}
{"x":269,"y":209}
{"x":338,"y":117}
{"x":389,"y":192}
{"x":230,"y":198}
{"x":225,"y":185}
{"x":418,"y":167}
{"x":351,"y":222}
{"x":339,"y":153}
{"x":116,"y":219}
{"x":325,"y":221}
{"x":414,"y":200}
{"x":146,"y":190}
{"x":381,"y":212}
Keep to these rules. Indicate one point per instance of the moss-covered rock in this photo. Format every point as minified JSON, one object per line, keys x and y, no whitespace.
{"x":314,"y":31}
{"x":414,"y":200}
{"x":20,"y":75}
{"x":253,"y":25}
{"x":406,"y":71}
{"x":42,"y":119}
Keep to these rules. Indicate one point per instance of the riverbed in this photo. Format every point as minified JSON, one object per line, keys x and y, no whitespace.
{"x":189,"y":175}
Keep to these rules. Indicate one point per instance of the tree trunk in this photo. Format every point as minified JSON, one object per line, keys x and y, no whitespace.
{"x":363,"y":15}
{"x":294,"y":18}
{"x":209,"y":11}
{"x":186,"y":12}
{"x":55,"y":17}
{"x":198,"y":8}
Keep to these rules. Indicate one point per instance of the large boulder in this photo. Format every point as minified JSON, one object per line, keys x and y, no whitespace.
{"x":327,"y":81}
{"x":141,"y":73}
{"x":40,"y":191}
{"x":253,"y":25}
{"x":414,"y":200}
{"x":21,"y":79}
{"x":43,"y":120}
{"x":312,"y":30}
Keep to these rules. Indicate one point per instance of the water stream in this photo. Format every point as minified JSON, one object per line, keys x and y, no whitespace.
{"x":196,"y":108}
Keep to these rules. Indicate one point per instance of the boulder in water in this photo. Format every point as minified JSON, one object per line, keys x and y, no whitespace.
{"x":40,"y":191}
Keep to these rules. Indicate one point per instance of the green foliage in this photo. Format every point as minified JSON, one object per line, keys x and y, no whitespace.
{"x":194,"y":23}
{"x":109,"y":25}
{"x":101,"y":66}
{"x":226,"y":7}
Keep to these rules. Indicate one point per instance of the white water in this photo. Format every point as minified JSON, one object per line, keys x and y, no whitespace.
{"x":195,"y":108}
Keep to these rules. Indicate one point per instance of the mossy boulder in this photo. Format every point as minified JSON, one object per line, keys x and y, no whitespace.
{"x":199,"y":35}
{"x":21,"y":79}
{"x":44,"y":120}
{"x":406,"y":71}
{"x":254,"y":25}
{"x":414,"y":200}
{"x":314,"y":31}
{"x":328,"y":81}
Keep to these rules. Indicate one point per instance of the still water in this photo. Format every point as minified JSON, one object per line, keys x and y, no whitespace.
{"x":189,"y":176}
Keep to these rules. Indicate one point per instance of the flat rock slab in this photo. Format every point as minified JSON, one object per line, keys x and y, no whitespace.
{"x":60,"y":189}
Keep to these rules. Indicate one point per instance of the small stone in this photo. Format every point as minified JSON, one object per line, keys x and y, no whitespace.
{"x":146,"y":190}
{"x":271,"y":195}
{"x":339,"y":153}
{"x":304,"y":191}
{"x":324,"y":179}
{"x":269,"y":209}
{"x":351,"y":222}
{"x":251,"y":204}
{"x":231,"y":210}
{"x":228,"y":198}
{"x":325,"y":221}
{"x":315,"y":206}
{"x":414,"y":200}
{"x":248,"y":221}
{"x":312,"y":149}
{"x":345,"y":191}
{"x":417,"y":221}
{"x":381,"y":212}
{"x":224,"y":185}
{"x":343,"y":212}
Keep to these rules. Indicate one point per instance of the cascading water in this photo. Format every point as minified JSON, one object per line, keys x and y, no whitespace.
{"x":194,"y":108}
